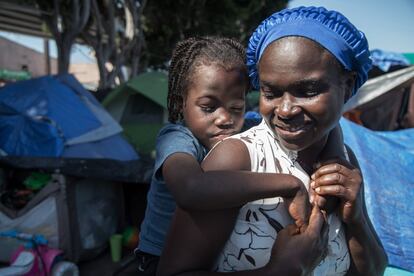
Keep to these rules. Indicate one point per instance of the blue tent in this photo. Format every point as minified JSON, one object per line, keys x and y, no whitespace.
{"x":54,"y":116}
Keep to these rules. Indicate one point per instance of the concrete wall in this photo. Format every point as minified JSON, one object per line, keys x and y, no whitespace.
{"x":86,"y":73}
{"x":14,"y":56}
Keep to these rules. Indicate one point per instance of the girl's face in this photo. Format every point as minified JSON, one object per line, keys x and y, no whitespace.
{"x":302,"y":91}
{"x":214,"y":106}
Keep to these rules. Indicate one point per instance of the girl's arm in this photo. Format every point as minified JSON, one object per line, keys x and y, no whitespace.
{"x":195,"y":189}
{"x":345,"y":182}
{"x":196,"y":237}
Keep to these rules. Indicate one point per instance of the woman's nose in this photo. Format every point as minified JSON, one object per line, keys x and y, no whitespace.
{"x":287,"y":107}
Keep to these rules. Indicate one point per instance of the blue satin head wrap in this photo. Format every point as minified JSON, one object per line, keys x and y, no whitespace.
{"x":330,"y":29}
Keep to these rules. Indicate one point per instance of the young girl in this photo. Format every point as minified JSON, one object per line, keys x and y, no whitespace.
{"x":307,"y":63}
{"x":206,"y":98}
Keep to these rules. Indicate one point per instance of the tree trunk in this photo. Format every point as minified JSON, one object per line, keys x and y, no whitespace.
{"x":47,"y":55}
{"x":65,"y":22}
{"x":64,"y":50}
{"x":102,"y":70}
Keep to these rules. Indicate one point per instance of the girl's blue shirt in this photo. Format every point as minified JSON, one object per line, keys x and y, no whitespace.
{"x":172,"y":138}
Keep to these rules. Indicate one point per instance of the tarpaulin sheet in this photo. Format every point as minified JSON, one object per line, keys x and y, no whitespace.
{"x":385,"y":59}
{"x":387,"y":164}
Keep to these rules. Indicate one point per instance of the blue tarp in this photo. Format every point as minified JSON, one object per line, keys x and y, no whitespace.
{"x":384,"y":60}
{"x":54,"y":116}
{"x":387,"y":163}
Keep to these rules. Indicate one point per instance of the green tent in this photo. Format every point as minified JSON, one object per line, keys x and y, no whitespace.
{"x":140,"y":106}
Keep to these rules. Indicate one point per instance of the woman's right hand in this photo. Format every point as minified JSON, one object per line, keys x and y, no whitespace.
{"x":298,"y":251}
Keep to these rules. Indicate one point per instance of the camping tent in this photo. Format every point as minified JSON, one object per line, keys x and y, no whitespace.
{"x":56,"y":117}
{"x":140,"y":106}
{"x":386,"y":102}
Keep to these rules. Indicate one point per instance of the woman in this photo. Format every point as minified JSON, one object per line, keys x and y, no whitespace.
{"x":307,"y":63}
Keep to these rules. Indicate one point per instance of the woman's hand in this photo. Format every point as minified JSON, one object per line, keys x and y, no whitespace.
{"x":298,"y":251}
{"x":341,"y":180}
{"x":332,"y":152}
{"x":327,"y":203}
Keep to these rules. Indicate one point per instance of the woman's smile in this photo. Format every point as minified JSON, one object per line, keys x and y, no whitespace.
{"x":291,"y":132}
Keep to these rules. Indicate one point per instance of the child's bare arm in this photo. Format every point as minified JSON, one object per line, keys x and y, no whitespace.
{"x":219,"y":188}
{"x":195,"y":239}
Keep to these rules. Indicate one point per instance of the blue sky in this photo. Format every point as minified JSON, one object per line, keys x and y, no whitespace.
{"x":388,"y":25}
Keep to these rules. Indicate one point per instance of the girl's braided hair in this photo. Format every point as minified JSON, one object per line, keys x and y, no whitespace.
{"x":196,"y":51}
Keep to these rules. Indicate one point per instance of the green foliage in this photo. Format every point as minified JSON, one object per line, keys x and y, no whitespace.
{"x":166,"y":22}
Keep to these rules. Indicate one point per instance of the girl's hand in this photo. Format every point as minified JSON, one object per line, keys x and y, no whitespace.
{"x":343,"y":181}
{"x":299,"y":206}
{"x":298,"y":251}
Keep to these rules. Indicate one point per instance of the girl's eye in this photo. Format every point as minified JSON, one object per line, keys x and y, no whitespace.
{"x":208,"y":109}
{"x":238,"y":109}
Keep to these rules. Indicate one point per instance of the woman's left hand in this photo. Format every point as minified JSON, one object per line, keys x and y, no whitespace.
{"x":342,"y":180}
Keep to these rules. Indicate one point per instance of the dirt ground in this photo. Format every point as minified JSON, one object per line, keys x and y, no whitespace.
{"x":104,"y":266}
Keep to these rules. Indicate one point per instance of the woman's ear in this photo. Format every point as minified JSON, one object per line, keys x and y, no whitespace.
{"x":350,"y":79}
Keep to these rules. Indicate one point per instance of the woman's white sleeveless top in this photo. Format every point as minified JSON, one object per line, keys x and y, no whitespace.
{"x":250,"y":244}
